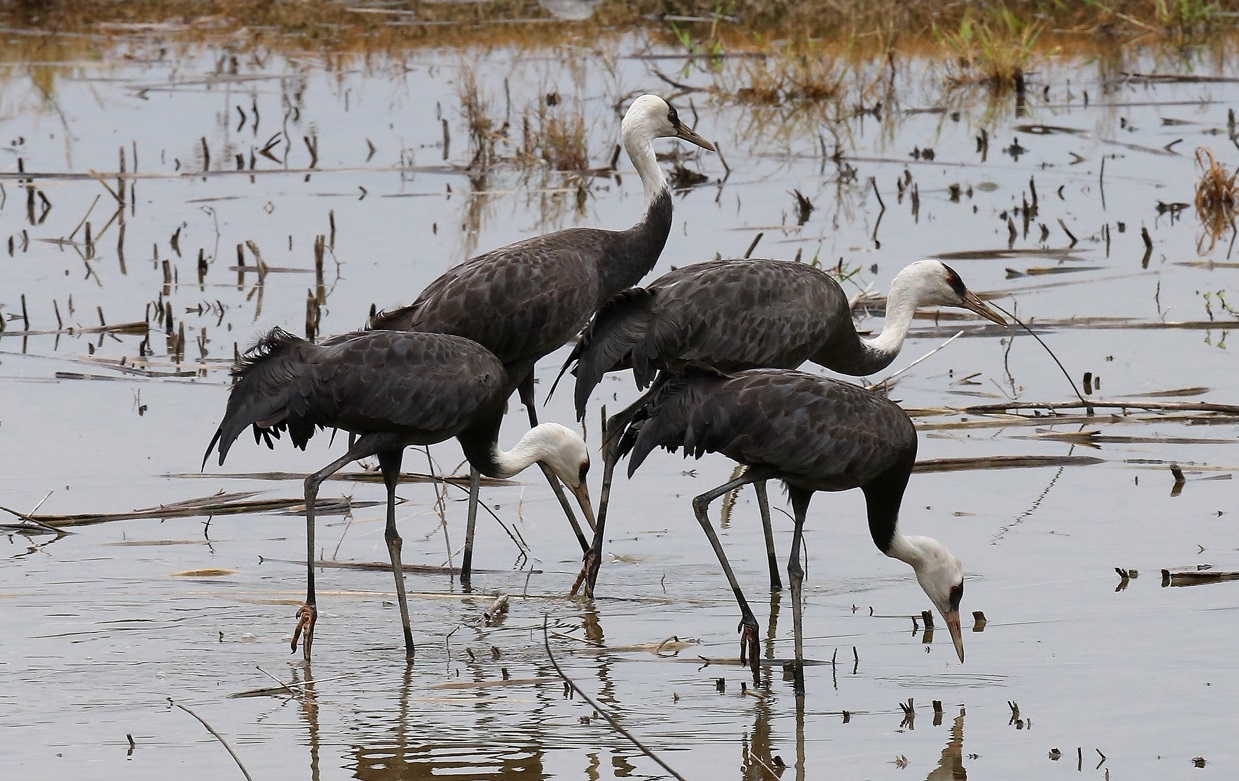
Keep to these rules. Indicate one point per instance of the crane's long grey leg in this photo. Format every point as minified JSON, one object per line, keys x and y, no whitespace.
{"x":389,"y":465}
{"x":795,"y":576}
{"x":307,"y":614}
{"x":466,"y":561}
{"x":612,"y":431}
{"x":525,"y":390}
{"x":763,"y":505}
{"x":749,"y":650}
{"x":593,"y":554}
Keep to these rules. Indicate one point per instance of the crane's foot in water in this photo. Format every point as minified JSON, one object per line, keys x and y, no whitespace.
{"x":307,"y":614}
{"x":749,"y":650}
{"x":588,"y":576}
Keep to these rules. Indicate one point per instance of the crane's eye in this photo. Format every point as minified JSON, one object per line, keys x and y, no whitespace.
{"x":957,"y":595}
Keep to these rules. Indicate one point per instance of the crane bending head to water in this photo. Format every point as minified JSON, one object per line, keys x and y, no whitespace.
{"x":814,"y":434}
{"x":731,"y":315}
{"x":391,"y":389}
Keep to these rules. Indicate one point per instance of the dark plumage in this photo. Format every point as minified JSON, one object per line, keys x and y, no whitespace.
{"x":742,"y":314}
{"x":528,"y":299}
{"x":391,"y":389}
{"x":814,"y":434}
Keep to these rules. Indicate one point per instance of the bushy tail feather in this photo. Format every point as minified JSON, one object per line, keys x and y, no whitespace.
{"x":259,"y":396}
{"x":606,"y":344}
{"x":664,"y":417}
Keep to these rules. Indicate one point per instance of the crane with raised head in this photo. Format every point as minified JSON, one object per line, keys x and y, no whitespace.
{"x":526,"y":300}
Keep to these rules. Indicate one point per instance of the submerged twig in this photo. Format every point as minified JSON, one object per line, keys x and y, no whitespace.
{"x":218,"y":737}
{"x":546,"y":642}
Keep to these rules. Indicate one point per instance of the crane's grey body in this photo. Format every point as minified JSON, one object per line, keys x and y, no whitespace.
{"x":814,"y":434}
{"x":527,"y":299}
{"x":726,"y":314}
{"x":742,"y":314}
{"x":391,"y":389}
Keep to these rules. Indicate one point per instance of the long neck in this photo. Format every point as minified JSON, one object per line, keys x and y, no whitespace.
{"x":481,"y":446}
{"x":640,"y":149}
{"x":883,"y":496}
{"x":913,"y":549}
{"x":857,"y":356}
{"x":638,"y":248}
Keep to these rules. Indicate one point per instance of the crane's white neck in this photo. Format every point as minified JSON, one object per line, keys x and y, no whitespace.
{"x":639,"y":144}
{"x":914,"y":550}
{"x":557,"y":446}
{"x":901,"y":305}
{"x":937,"y":570}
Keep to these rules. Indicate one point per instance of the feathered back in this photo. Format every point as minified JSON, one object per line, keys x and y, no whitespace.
{"x":261,"y":379}
{"x":814,"y":432}
{"x":397,"y":388}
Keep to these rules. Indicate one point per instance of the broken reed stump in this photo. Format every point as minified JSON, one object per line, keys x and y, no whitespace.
{"x":1196,"y":577}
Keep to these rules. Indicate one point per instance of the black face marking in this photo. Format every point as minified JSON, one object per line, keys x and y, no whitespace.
{"x":957,"y":594}
{"x":673,"y":117}
{"x":954,"y":281}
{"x":584,"y":472}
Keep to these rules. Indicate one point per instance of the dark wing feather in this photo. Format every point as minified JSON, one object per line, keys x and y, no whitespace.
{"x":420,"y":388}
{"x":261,"y":381}
{"x":520,"y":302}
{"x":664,"y":416}
{"x":606,"y":343}
{"x":813,"y":432}
{"x":727,"y":314}
{"x":413,"y":388}
{"x":743,"y":314}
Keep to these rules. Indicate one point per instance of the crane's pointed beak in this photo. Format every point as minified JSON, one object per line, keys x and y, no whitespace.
{"x":686,"y":133}
{"x":974,"y":304}
{"x":957,"y":637}
{"x":581,"y":492}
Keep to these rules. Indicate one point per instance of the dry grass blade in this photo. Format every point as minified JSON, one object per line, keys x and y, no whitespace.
{"x":217,"y":504}
{"x":137,"y":327}
{"x":385,"y":566}
{"x":218,"y":736}
{"x":460,"y":481}
{"x":1002,"y":462}
{"x":468,"y":685}
{"x":1163,"y":406}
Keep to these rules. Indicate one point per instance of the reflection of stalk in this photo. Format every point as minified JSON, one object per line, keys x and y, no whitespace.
{"x":951,"y":764}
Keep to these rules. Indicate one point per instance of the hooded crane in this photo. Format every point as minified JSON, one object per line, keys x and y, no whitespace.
{"x":744,"y":314}
{"x":391,"y":389}
{"x":528,"y":299}
{"x":814,"y":434}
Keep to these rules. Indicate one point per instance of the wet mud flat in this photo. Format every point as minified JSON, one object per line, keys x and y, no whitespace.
{"x":163,"y":203}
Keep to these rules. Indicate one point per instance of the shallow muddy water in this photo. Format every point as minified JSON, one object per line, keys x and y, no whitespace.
{"x":99,"y":629}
